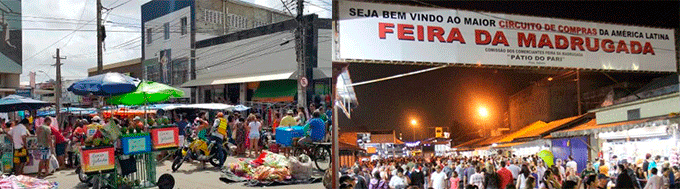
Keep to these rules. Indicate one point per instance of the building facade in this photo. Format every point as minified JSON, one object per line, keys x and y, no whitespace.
{"x":10,"y":47}
{"x":259,"y":65}
{"x":170,"y":30}
{"x":128,"y":67}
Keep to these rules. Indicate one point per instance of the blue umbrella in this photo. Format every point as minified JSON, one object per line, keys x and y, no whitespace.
{"x":14,"y":103}
{"x":108,"y":84}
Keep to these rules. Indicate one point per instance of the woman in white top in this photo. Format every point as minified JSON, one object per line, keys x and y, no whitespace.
{"x":254,"y":127}
{"x":522,"y":177}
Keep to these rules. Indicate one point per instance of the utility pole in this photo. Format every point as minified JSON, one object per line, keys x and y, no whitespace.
{"x":578,"y":90}
{"x":299,"y":51}
{"x":100,"y":39}
{"x":57,"y":89}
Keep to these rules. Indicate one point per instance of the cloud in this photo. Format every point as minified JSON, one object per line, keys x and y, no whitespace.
{"x":81,"y":47}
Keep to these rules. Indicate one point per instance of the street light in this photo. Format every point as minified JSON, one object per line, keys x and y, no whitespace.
{"x":483,"y":112}
{"x":413,"y":124}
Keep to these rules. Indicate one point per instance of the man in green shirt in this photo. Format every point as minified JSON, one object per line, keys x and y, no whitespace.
{"x":588,"y":171}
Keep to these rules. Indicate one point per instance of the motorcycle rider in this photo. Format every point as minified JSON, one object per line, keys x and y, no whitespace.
{"x":218,"y":134}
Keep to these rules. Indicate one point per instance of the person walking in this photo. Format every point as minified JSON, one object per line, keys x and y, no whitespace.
{"x":59,"y":146}
{"x":522,"y":177}
{"x":438,"y":179}
{"x":301,"y":117}
{"x":276,"y":122}
{"x":254,"y":127}
{"x":360,"y":180}
{"x":44,"y":135}
{"x":477,"y":178}
{"x":241,"y":135}
{"x":399,"y":181}
{"x":454,"y":181}
{"x":623,"y":180}
{"x":655,"y":181}
{"x":505,"y":175}
{"x":18,"y":132}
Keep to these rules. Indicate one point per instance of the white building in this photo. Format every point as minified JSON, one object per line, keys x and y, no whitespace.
{"x":171,"y":28}
{"x":260,"y":64}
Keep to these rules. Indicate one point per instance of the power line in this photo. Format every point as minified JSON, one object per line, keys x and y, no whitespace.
{"x":81,"y":17}
{"x":74,"y":31}
{"x":119,"y":5}
{"x":309,"y":3}
{"x":243,"y":61}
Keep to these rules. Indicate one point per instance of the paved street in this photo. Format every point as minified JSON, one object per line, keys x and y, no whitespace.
{"x":187,"y":177}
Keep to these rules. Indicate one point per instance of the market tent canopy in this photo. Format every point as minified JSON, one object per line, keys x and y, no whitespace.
{"x":276,"y":91}
{"x":385,"y":138}
{"x":349,"y":147}
{"x":147,"y":92}
{"x":240,"y":79}
{"x":205,"y":106}
{"x":467,"y":145}
{"x":107,"y":84}
{"x":74,"y":110}
{"x":507,"y":145}
{"x":592,"y":127}
{"x":524,"y":131}
{"x":14,"y":103}
{"x":545,"y":130}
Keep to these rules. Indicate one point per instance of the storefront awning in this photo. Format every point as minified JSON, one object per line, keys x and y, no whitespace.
{"x":276,"y":91}
{"x":592,"y":127}
{"x":240,"y":79}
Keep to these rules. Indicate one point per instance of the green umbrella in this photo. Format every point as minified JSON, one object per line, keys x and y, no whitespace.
{"x":147,"y":92}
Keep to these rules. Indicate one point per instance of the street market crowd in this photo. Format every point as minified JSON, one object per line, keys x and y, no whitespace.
{"x":513,"y":172}
{"x":244,"y":131}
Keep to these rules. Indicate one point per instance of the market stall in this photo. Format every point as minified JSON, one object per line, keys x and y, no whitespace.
{"x":13,"y":103}
{"x":271,"y":169}
{"x":114,"y":156}
{"x":632,"y":140}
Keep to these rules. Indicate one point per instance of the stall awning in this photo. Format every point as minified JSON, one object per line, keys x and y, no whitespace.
{"x":240,"y":79}
{"x":592,"y":127}
{"x":508,"y":145}
{"x":528,"y":129}
{"x":318,"y":73}
{"x":468,"y":144}
{"x":349,"y":147}
{"x":276,"y":91}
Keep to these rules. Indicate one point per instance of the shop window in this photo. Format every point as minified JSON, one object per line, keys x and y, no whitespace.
{"x":166,"y":30}
{"x":149,"y":36}
{"x":183,"y":23}
{"x":180,"y":71}
{"x":634,"y":114}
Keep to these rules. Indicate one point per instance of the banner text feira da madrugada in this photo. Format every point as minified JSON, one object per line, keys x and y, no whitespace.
{"x":581,"y":41}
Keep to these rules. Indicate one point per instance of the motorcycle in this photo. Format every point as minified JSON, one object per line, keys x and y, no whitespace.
{"x":197,"y":149}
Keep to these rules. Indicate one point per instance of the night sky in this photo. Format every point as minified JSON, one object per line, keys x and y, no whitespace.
{"x":449,"y":97}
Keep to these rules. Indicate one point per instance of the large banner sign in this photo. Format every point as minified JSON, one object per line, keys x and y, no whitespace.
{"x":369,"y":31}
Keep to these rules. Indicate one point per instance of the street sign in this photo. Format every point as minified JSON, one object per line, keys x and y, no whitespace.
{"x":304,"y":82}
{"x":24,"y":92}
{"x":438,"y":132}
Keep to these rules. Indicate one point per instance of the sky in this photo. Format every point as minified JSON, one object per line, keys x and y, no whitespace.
{"x":451,"y":96}
{"x":42,"y":17}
